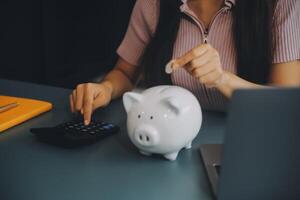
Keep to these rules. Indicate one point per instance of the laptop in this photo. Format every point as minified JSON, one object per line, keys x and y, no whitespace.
{"x":260,"y":158}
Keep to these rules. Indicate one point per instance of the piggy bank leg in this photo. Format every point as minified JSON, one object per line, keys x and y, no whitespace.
{"x":145,"y":153}
{"x":188,"y":146}
{"x":171,"y":156}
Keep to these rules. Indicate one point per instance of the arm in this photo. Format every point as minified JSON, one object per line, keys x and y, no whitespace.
{"x":89,"y":96}
{"x":203,"y":62}
{"x":121,"y":79}
{"x":286,"y":74}
{"x":282,"y":75}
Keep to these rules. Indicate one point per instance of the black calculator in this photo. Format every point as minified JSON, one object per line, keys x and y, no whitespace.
{"x":74,"y":133}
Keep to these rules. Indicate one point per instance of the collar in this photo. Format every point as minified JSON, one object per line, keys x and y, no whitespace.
{"x":228,"y":3}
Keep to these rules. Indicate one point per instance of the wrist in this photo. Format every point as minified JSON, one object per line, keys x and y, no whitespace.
{"x":223,"y":80}
{"x":109,"y":86}
{"x":225,"y":84}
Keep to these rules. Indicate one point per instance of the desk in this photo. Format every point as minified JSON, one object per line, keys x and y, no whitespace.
{"x":109,"y":169}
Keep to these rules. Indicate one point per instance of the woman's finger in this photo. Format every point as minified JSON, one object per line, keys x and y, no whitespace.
{"x":74,"y":99}
{"x":79,"y":96}
{"x":88,"y":104}
{"x":71,"y":103}
{"x":191,"y":55}
{"x":210,"y":78}
{"x":202,"y":71}
{"x":200,"y":61}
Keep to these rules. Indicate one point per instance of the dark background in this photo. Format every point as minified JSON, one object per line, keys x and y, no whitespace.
{"x":60,"y":42}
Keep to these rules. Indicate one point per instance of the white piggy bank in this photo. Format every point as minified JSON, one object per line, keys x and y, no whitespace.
{"x":162,"y":120}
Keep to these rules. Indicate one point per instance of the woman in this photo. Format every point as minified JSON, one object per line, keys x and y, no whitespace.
{"x":217,"y":46}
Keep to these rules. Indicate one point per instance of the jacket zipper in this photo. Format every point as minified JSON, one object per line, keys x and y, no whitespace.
{"x":205,"y":31}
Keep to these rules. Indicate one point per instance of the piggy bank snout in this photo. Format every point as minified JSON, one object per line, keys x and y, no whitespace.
{"x":146,"y":136}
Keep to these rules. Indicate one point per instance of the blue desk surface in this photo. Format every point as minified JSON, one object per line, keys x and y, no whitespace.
{"x":109,"y":169}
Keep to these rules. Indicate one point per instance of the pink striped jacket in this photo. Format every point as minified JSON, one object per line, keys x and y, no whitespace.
{"x":192,"y":33}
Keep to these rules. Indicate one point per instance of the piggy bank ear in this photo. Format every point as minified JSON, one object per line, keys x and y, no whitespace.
{"x":173,"y":104}
{"x":129,"y":98}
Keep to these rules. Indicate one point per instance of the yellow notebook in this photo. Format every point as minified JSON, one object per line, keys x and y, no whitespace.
{"x":26,"y":109}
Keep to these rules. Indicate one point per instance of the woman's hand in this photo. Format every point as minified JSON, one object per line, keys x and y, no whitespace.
{"x":203,"y":63}
{"x":88,"y":97}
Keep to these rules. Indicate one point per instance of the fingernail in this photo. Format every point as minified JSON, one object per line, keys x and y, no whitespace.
{"x":86,"y":122}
